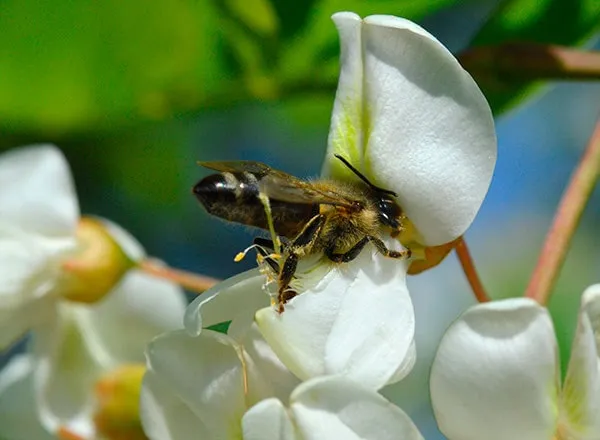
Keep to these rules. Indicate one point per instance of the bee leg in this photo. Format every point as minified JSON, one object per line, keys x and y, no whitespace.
{"x":285,"y":278}
{"x":349,"y":255}
{"x":268,"y":244}
{"x":381,"y":247}
{"x":303,"y":242}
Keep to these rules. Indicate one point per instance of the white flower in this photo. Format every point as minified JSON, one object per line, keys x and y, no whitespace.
{"x":211,"y":386}
{"x":60,"y":278}
{"x":414,"y":122}
{"x":497,"y":375}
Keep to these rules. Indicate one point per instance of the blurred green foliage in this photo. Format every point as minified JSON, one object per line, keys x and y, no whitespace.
{"x":560,"y":22}
{"x":72,"y":67}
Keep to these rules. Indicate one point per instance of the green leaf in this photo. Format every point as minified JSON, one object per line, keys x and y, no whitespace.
{"x":258,"y":15}
{"x":79,"y":65}
{"x":316,"y":41}
{"x":562,"y":22}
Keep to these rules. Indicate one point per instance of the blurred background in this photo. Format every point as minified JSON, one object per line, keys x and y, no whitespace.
{"x":134,"y":94}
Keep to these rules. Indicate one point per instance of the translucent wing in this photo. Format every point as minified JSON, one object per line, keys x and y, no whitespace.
{"x":277,"y":185}
{"x":259,"y":169}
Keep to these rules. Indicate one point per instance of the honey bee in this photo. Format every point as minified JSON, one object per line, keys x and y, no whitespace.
{"x":328,"y":216}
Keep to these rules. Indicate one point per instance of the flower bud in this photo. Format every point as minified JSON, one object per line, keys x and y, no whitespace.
{"x":118,"y":395}
{"x":96,"y":266}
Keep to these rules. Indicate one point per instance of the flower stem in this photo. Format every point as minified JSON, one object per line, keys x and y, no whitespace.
{"x":189,"y":281}
{"x":464,"y":256}
{"x":565,"y":221}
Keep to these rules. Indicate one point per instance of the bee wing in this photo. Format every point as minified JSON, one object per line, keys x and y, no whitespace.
{"x":278,"y":185}
{"x":259,"y":169}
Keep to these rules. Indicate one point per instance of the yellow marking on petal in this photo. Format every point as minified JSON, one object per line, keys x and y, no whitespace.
{"x":346,"y":141}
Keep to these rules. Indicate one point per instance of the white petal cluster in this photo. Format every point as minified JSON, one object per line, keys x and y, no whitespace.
{"x":408,"y":116}
{"x":499,"y":362}
{"x":72,"y":344}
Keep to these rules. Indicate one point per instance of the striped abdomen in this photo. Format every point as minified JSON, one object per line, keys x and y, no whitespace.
{"x":234,"y":197}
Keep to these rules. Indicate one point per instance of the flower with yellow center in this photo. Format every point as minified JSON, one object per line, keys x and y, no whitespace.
{"x":69,"y":282}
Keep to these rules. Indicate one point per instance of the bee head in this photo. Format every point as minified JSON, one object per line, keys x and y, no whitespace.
{"x":389,"y":211}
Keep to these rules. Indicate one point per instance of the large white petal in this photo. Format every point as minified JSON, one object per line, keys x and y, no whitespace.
{"x":430,"y":129}
{"x":581,"y":392}
{"x":37,"y":191}
{"x":164,"y":415}
{"x":275,"y":379}
{"x":236,"y":299}
{"x":28,"y":273}
{"x":338,"y":408}
{"x":121,"y":325}
{"x":495,"y":375}
{"x":65,"y":373}
{"x":357,"y":321}
{"x":346,"y":132}
{"x":206,"y":374}
{"x":268,"y":420}
{"x":18,"y":415}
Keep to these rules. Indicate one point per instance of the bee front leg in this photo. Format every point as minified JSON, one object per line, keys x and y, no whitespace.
{"x":346,"y":256}
{"x":300,"y":246}
{"x":381,"y":247}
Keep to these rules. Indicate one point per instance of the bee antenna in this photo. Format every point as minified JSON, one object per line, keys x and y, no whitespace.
{"x":363,"y":178}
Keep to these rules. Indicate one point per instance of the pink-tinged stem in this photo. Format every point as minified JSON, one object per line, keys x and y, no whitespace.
{"x":565,"y":221}
{"x":464,"y":256}
{"x":189,"y":281}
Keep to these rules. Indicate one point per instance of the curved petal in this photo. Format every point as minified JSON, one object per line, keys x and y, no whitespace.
{"x":119,"y":327}
{"x":430,"y":129}
{"x":346,"y":131}
{"x":37,"y":191}
{"x":276,"y":379}
{"x":164,"y":415}
{"x":127,"y":242}
{"x":28,"y":273}
{"x":338,"y":408}
{"x":18,"y":415}
{"x":357,"y":321}
{"x":235,"y":299}
{"x":206,"y":374}
{"x":65,"y":373}
{"x":581,"y":392}
{"x":268,"y":420}
{"x":495,"y":375}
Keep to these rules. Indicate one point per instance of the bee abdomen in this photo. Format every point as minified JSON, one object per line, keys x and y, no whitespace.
{"x":218,"y":192}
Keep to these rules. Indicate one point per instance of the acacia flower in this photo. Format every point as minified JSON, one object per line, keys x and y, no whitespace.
{"x":408,"y":116}
{"x":496,"y":374}
{"x":413,"y":121}
{"x":211,"y":386}
{"x":69,"y":281}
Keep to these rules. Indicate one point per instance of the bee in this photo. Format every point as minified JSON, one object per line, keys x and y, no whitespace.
{"x":329,"y":216}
